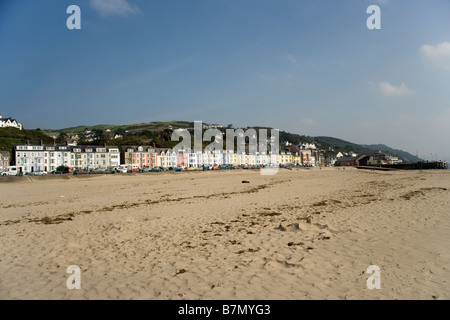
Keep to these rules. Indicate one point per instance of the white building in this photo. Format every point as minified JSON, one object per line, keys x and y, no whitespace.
{"x":40,"y":157}
{"x":49,"y":157}
{"x":307,"y":146}
{"x":95,"y":157}
{"x":10,"y":122}
{"x":4,"y":160}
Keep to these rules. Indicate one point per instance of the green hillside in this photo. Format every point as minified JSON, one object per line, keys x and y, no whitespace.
{"x":11,"y":136}
{"x":399,"y":153}
{"x":151,"y":126}
{"x":157,"y":133}
{"x":342,"y":145}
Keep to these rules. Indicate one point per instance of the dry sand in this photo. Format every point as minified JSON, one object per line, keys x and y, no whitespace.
{"x":300,"y":234}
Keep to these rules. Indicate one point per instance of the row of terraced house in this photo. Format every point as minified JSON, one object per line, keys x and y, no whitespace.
{"x":39,"y":157}
{"x":146,"y":156}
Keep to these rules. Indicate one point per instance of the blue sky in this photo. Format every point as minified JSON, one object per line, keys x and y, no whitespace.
{"x":309,"y":67}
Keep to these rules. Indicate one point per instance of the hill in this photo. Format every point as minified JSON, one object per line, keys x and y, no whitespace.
{"x":151,"y":126}
{"x":346,"y":146}
{"x":399,"y":153}
{"x":156,"y":132}
{"x":11,"y":136}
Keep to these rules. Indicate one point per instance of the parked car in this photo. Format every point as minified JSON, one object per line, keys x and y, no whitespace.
{"x":38,"y":173}
{"x":155,"y":170}
{"x":122,"y":169}
{"x":56,"y":172}
{"x":12,"y":171}
{"x":177,"y":169}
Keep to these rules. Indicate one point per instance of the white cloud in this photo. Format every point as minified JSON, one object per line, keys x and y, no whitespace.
{"x":388,"y":89}
{"x":293,"y":61}
{"x":114,"y":7}
{"x":438,"y":54}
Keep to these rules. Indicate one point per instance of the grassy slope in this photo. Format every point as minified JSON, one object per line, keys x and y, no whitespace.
{"x":11,"y":136}
{"x":348,"y":146}
{"x":152,"y":126}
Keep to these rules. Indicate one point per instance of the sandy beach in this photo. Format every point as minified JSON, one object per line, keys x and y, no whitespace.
{"x":299,"y":234}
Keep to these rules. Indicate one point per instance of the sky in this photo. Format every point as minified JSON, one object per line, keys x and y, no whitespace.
{"x":307,"y":67}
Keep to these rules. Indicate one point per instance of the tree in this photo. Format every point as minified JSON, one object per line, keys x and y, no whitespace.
{"x":62,"y":137}
{"x":120,"y":131}
{"x":98,"y":134}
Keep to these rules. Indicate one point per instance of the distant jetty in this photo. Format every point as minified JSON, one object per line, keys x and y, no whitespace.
{"x":408,"y":166}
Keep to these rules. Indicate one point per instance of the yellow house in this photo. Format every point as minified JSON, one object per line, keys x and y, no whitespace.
{"x":130,"y":156}
{"x":234,"y":159}
{"x":285,"y":158}
{"x":297,"y":158}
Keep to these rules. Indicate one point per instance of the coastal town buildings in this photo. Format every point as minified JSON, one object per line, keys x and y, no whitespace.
{"x":39,"y":157}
